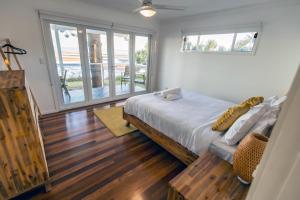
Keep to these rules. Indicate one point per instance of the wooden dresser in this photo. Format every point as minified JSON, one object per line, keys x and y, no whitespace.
{"x":22,"y":160}
{"x":209,"y":177}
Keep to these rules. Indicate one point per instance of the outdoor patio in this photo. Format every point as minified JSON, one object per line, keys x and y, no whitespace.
{"x":77,"y":95}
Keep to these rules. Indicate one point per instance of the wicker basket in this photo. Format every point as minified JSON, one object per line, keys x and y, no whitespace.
{"x":248,"y":155}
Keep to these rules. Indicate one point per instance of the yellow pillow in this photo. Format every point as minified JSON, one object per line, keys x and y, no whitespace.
{"x":253,"y":101}
{"x":228,"y":118}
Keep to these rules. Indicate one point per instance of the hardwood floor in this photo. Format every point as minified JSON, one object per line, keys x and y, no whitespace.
{"x":87,"y":162}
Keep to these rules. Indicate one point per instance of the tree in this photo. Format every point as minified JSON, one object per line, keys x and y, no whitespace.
{"x":243,"y":42}
{"x":210,"y":45}
{"x":142,"y":56}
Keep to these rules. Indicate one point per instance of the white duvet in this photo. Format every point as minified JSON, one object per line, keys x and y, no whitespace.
{"x":187,"y":120}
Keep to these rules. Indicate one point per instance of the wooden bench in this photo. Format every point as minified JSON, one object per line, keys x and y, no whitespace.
{"x":209,"y":177}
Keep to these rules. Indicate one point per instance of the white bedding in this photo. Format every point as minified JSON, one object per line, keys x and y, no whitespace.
{"x":187,"y":120}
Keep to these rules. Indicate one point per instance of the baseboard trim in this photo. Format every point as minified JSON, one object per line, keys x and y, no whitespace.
{"x":52,"y":113}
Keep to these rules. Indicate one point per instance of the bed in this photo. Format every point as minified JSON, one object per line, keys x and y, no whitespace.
{"x":182,"y":127}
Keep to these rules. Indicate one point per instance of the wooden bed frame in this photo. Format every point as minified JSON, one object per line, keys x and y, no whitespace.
{"x":176,"y":149}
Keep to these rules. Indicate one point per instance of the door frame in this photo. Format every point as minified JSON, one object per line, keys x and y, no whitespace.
{"x":87,"y":66}
{"x":132,"y":63}
{"x":148,"y":62}
{"x":52,"y":68}
{"x":129,"y":59}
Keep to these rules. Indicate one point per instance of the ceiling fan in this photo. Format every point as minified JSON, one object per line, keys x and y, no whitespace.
{"x":148,"y":9}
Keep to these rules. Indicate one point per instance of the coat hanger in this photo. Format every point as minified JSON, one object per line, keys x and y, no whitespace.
{"x":14,"y":50}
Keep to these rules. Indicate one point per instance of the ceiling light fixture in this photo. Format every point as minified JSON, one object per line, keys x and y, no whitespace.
{"x":147,"y":11}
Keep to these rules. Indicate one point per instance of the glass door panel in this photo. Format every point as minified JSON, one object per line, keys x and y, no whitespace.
{"x":98,"y":63}
{"x":68,"y":63}
{"x":141,"y":63}
{"x":122,"y":63}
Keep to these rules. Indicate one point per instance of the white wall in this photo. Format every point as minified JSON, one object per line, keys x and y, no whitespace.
{"x":278,"y":176}
{"x":234,"y":77}
{"x":20,"y":22}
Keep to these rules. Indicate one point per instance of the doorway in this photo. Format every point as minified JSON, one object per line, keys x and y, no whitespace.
{"x":92,"y":65}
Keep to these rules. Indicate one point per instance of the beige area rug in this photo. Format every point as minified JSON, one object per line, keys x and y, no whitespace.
{"x":112,"y":118}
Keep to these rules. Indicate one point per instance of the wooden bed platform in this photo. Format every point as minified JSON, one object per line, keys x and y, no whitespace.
{"x":176,"y":149}
{"x":206,"y":177}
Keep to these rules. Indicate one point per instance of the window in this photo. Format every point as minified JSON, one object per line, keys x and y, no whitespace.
{"x":95,"y":63}
{"x":243,"y":42}
{"x":218,"y":42}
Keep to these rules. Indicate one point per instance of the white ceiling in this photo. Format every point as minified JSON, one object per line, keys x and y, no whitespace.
{"x":192,"y":6}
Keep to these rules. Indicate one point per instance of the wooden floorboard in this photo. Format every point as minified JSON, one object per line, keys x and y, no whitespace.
{"x":87,"y":162}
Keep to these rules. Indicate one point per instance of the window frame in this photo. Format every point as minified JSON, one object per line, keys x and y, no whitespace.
{"x":257,"y":28}
{"x":46,"y":18}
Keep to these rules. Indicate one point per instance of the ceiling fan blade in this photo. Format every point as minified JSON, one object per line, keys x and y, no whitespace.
{"x":137,"y":10}
{"x":145,"y":1}
{"x":168,"y":7}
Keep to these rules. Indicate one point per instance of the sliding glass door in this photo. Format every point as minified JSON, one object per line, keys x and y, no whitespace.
{"x":122,"y":63}
{"x":141,"y":57}
{"x":131,"y":61}
{"x":98,"y":64}
{"x":91,"y":65}
{"x":68,"y":63}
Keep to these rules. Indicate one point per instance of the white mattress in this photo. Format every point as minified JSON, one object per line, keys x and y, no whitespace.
{"x":187,"y":121}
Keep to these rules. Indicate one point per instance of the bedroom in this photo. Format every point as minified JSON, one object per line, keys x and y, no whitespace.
{"x":67,"y":41}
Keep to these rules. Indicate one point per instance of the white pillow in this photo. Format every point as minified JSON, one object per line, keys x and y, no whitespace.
{"x":269,"y":118}
{"x":278,"y":102}
{"x":275,"y":101}
{"x":172,"y":97}
{"x":265,"y":122}
{"x":243,"y":124}
{"x":176,"y":91}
